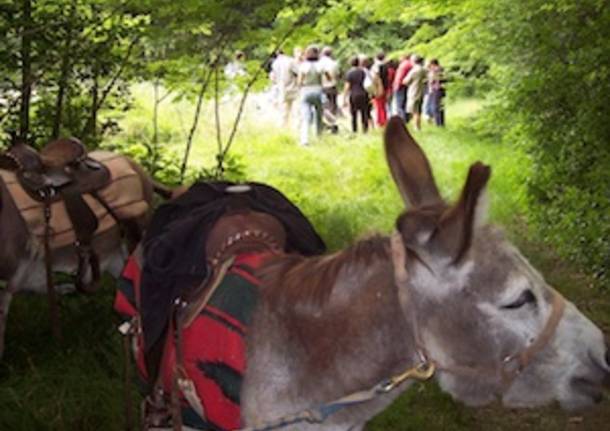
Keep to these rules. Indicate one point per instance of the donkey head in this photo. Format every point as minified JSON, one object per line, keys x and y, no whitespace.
{"x":495,"y":328}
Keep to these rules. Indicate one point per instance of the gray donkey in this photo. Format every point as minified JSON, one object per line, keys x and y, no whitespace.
{"x":447,"y":291}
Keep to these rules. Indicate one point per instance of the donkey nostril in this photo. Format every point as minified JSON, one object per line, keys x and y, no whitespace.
{"x":608,"y":357}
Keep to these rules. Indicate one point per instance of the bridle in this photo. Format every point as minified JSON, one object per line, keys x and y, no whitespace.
{"x":511,"y":366}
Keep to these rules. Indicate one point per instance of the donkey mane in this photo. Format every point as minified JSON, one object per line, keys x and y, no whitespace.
{"x":293,"y":282}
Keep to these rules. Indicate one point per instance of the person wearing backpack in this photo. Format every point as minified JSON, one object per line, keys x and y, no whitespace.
{"x":366,"y":63}
{"x":379,"y":73}
{"x":435,"y":91}
{"x":415,"y":81}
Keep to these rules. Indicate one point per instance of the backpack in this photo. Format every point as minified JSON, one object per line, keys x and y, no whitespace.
{"x":368,"y":83}
{"x":378,"y":87}
{"x":383,"y":75}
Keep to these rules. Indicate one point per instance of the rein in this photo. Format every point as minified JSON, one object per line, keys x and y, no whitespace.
{"x":318,"y":415}
{"x":512,"y":365}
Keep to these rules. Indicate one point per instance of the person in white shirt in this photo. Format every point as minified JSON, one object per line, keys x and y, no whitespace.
{"x":235,"y":69}
{"x":284,"y":71}
{"x":329,"y":80}
{"x":234,"y":72}
{"x":310,"y":82}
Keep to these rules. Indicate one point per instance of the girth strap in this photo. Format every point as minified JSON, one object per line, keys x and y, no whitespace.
{"x":48,"y":263}
{"x":84,"y":223}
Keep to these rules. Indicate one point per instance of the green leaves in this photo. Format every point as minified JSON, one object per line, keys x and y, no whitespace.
{"x":547,"y":64}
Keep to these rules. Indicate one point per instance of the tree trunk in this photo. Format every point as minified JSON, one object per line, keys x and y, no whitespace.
{"x":98,"y":97}
{"x":91,"y":127}
{"x":26,"y":70}
{"x":64,"y":75}
{"x":217,"y":108}
{"x":155,"y":137}
{"x":189,"y":140}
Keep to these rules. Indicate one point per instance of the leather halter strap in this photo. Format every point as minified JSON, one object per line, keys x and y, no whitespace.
{"x":511,"y":366}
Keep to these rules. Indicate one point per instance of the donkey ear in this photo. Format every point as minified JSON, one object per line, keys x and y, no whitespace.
{"x":409,"y":166}
{"x":457,"y":224}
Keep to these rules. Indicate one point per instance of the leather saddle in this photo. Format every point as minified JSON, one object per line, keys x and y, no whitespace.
{"x":62,"y":171}
{"x":61,"y":164}
{"x":242,"y":231}
{"x":238,"y":231}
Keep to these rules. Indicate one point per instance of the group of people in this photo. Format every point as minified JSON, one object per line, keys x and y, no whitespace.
{"x":311,"y":78}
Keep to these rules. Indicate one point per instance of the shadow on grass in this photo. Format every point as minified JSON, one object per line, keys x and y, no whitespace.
{"x":73,"y":385}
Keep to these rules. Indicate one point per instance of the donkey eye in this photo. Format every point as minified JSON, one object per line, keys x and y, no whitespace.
{"x":527,"y":297}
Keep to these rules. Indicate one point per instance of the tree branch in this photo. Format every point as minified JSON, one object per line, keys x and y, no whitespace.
{"x":223,"y":153}
{"x":217,"y":109}
{"x":109,"y":87}
{"x":213,"y":66}
{"x":189,"y":142}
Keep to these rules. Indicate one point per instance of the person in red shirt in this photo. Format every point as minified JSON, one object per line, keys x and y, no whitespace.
{"x":400,"y":90}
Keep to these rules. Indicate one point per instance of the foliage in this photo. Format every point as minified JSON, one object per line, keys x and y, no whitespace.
{"x":553,"y":70}
{"x":163,"y":162}
{"x":67,"y":65}
{"x":77,"y":56}
{"x":546,"y":66}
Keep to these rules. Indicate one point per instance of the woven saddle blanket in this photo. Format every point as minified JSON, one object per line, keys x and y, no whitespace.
{"x":213,"y":345}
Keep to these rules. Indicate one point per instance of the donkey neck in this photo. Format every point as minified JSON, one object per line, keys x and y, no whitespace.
{"x":360,"y":334}
{"x":301,"y":354}
{"x":366,"y":303}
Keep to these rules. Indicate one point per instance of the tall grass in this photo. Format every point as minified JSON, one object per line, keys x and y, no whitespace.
{"x":341,"y":182}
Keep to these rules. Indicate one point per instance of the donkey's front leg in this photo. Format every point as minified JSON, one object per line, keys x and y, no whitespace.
{"x":6,"y":295}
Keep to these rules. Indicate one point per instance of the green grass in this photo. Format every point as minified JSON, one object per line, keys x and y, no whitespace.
{"x":341,"y":183}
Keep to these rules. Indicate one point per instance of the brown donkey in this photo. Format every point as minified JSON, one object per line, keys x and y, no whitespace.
{"x":22,"y":254}
{"x":447,"y":291}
